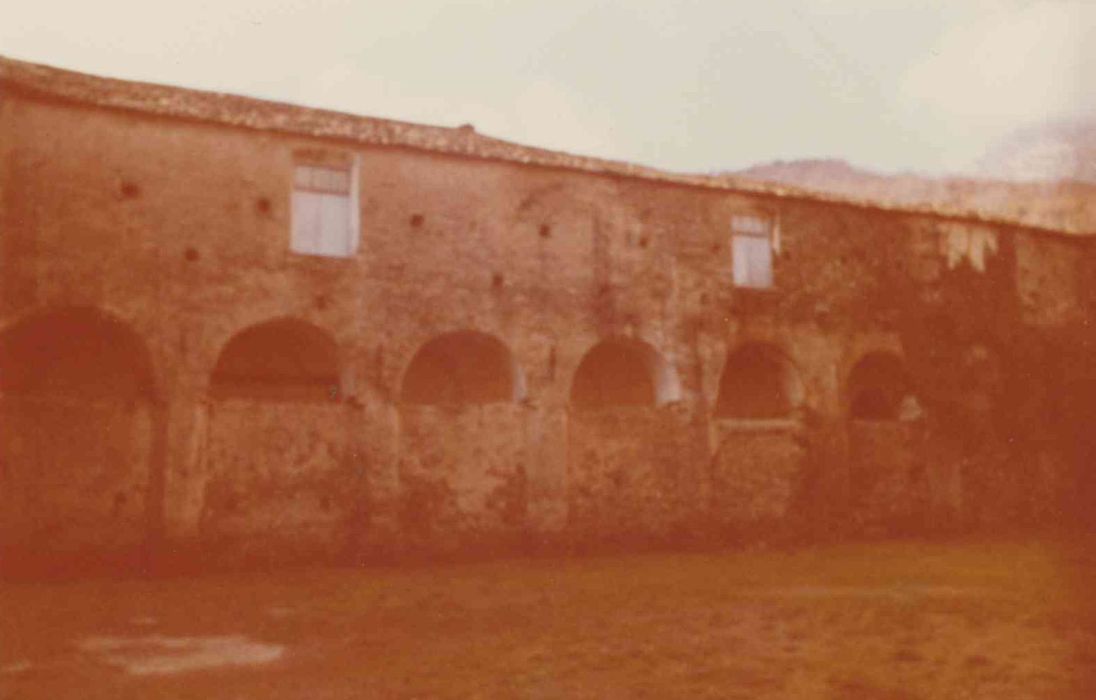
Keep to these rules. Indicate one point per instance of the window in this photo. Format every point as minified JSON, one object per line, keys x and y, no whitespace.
{"x":752,"y":250}
{"x":325,"y":209}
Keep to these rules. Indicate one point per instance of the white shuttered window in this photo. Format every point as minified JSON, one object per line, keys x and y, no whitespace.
{"x":325,"y":210}
{"x":752,"y":251}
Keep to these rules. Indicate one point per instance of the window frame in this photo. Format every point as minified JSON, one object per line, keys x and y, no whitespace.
{"x":331,"y":186}
{"x":749,"y":227}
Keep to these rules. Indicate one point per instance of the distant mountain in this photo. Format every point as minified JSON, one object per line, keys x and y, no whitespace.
{"x":1053,"y":151}
{"x":1066,"y":204}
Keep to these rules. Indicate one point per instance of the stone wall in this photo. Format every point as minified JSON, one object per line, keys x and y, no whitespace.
{"x":178,"y":231}
{"x":277,"y":480}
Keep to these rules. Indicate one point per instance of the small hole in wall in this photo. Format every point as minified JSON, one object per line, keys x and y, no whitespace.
{"x":416,"y":220}
{"x":321,"y":302}
{"x":545,"y":231}
{"x":262,"y":205}
{"x":644,"y":242}
{"x":497,"y":280}
{"x":715,"y":247}
{"x":191,"y":254}
{"x":130,"y":190}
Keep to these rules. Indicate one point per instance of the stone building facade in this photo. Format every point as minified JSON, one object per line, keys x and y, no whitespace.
{"x":237,"y":331}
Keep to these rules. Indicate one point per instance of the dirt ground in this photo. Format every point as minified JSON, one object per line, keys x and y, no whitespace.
{"x":895,"y":621}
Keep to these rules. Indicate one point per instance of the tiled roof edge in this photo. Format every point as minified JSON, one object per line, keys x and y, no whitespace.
{"x":266,"y":115}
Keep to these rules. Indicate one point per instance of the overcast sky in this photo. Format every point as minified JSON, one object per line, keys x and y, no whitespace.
{"x":920,"y":85}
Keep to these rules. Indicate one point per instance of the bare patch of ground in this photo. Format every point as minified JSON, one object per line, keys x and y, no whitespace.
{"x":157,"y":654}
{"x":887,"y":621}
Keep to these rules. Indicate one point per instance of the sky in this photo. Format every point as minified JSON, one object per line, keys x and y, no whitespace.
{"x":893,"y":85}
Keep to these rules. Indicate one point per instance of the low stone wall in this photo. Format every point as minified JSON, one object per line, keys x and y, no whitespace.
{"x":278,"y":484}
{"x":633,"y":473}
{"x":462,"y":476}
{"x":757,"y":471}
{"x":74,"y":477}
{"x":887,"y":482}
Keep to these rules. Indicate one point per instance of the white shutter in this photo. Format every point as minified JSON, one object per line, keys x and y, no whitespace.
{"x":306,"y":221}
{"x":753,"y":261}
{"x":334,"y":225}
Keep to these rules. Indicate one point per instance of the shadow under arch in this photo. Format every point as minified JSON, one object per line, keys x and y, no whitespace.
{"x":624,"y":372}
{"x":462,"y":367}
{"x":77,"y":351}
{"x":758,"y":381}
{"x":282,"y":359}
{"x":877,"y":387}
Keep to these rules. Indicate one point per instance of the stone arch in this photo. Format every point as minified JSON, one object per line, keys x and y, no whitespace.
{"x":463,"y":367}
{"x":633,"y":466}
{"x":282,"y":359}
{"x":878,"y":387}
{"x":624,"y":372}
{"x":462,"y":452}
{"x":79,"y":431}
{"x":889,"y":485}
{"x":75,"y":351}
{"x":279,"y":485}
{"x":758,"y":381}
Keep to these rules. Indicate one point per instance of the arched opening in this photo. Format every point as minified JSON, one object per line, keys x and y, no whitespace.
{"x":877,"y":388}
{"x":632,"y":467}
{"x":464,"y":367}
{"x":277,"y":484}
{"x":77,"y":353}
{"x":284,"y":359}
{"x":77,"y":435}
{"x":758,"y":382}
{"x":462,"y":451}
{"x":624,"y":372}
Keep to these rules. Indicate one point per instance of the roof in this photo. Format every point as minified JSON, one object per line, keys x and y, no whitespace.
{"x":265,"y":115}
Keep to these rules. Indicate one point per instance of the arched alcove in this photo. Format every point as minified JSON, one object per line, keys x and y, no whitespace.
{"x":74,"y":352}
{"x":463,"y":367}
{"x":624,"y":372}
{"x":283,"y":359}
{"x":77,"y":435}
{"x":758,"y":382}
{"x":276,"y":445}
{"x":462,"y":442}
{"x":877,"y":387}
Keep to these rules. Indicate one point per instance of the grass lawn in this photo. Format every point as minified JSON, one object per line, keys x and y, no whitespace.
{"x":883,"y":621}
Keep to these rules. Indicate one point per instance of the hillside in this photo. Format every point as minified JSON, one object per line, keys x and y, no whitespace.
{"x":1063,"y":150}
{"x":1067,"y":204}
